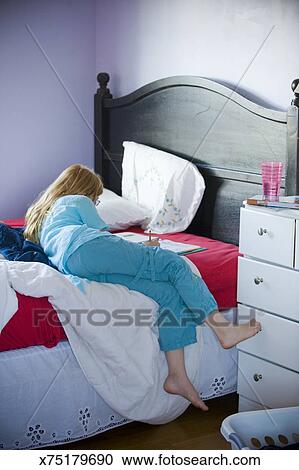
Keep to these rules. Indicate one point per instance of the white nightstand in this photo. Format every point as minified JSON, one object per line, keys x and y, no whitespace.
{"x":268,"y":289}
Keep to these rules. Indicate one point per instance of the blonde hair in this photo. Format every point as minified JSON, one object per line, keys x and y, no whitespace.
{"x":76,"y":179}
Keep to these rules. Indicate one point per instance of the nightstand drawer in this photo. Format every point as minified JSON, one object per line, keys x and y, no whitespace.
{"x":248,"y":405}
{"x":267,"y":236}
{"x":266,"y":383}
{"x":269,"y":287}
{"x":277,"y":342}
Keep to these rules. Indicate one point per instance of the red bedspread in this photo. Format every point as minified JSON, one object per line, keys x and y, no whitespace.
{"x":36,"y":323}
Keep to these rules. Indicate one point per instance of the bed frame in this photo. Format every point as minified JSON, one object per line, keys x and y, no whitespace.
{"x":223,"y":133}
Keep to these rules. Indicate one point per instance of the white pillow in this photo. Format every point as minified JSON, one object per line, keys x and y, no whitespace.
{"x":170,"y":187}
{"x":118,"y":212}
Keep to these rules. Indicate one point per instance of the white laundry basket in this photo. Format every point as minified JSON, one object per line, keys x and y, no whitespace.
{"x":255,"y":429}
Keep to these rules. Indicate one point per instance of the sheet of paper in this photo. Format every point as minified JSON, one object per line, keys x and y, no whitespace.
{"x":132,"y":237}
{"x":176,"y":247}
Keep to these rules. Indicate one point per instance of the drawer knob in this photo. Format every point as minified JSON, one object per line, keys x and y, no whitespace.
{"x":258,"y":280}
{"x":257,"y":377}
{"x":261,"y":231}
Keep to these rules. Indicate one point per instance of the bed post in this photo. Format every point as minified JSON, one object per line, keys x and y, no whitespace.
{"x":102,"y":93}
{"x":292,"y":174}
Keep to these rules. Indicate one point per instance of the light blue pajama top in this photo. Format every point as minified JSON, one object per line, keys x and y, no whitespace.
{"x":72,"y":221}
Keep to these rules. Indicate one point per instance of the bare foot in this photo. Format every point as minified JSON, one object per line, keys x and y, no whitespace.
{"x":231,"y":335}
{"x":182,"y":386}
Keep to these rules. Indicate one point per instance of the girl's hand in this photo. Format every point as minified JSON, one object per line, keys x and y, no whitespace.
{"x":152,"y":242}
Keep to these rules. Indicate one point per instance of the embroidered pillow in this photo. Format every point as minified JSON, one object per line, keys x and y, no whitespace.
{"x":170,"y":187}
{"x":120,"y":213}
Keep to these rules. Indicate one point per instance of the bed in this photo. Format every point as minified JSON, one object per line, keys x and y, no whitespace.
{"x":227,"y":137}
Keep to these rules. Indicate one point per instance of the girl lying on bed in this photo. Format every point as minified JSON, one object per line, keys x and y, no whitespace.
{"x":65,"y":222}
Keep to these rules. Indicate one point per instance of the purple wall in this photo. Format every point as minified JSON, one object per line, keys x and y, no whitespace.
{"x":41,"y":131}
{"x":136,"y":41}
{"x":151,"y":39}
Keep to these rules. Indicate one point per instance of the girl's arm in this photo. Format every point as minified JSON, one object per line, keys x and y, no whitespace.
{"x":89,"y":215}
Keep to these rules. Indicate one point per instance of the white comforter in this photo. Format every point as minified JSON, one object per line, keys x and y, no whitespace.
{"x":123,"y":363}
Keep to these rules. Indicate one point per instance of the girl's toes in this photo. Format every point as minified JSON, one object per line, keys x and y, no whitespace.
{"x":201,"y":405}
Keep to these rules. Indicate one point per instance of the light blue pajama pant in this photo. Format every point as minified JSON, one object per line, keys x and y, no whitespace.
{"x":183,"y":297}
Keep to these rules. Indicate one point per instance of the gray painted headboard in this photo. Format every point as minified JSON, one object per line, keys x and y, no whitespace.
{"x":226,"y":135}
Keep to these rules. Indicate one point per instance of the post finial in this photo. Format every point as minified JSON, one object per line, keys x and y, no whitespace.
{"x":295,"y":88}
{"x":103,"y":79}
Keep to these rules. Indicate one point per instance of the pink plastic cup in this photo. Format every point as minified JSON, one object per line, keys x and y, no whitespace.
{"x":271,"y":178}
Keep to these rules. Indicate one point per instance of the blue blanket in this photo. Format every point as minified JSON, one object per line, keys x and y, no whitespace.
{"x":14,"y":247}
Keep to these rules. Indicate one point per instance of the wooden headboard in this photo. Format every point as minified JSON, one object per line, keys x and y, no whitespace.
{"x":224,"y":134}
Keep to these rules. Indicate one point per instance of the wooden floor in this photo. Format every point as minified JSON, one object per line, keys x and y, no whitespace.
{"x":193,"y":430}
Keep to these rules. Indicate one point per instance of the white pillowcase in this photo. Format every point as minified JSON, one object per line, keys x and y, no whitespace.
{"x":118,"y":212}
{"x":170,"y":187}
